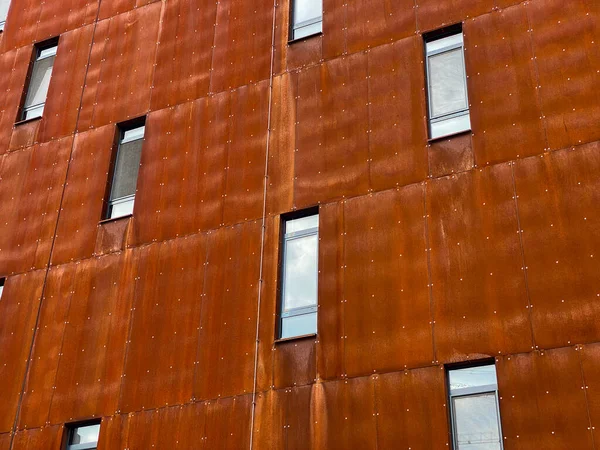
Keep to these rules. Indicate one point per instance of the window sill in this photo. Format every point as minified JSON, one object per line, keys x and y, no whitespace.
{"x":447,"y":136}
{"x":296,"y":338}
{"x":23,"y":122}
{"x":304,"y":38}
{"x":114,"y":219}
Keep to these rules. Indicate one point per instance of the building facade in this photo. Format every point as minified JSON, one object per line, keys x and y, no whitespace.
{"x":258,"y":224}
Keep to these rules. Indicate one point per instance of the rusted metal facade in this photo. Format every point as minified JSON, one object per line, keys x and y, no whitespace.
{"x":483,"y":245}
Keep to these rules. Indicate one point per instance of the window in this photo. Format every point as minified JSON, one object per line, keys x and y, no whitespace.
{"x":125,"y":172}
{"x":299,"y":276}
{"x":4,"y":4}
{"x":39,"y":80}
{"x":2,"y":281}
{"x":307,"y":18}
{"x":475,"y":409}
{"x":83,"y":437}
{"x":447,"y":86}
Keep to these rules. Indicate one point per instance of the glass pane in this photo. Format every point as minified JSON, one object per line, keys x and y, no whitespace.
{"x":450,"y":126}
{"x":308,"y":30}
{"x":473,"y":377}
{"x":300,"y":266}
{"x":304,"y":223}
{"x":306,"y":10}
{"x":4,"y":9}
{"x":447,"y":83}
{"x":85,"y":435}
{"x":299,"y":325}
{"x":126,"y":169}
{"x":476,"y":422}
{"x":122,"y":208}
{"x":40,"y":80}
{"x":34,"y":112}
{"x":1,"y":289}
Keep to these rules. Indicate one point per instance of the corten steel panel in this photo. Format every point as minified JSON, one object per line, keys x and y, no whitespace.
{"x":35,"y":21}
{"x":24,"y":135}
{"x":330,"y":352}
{"x":590,"y":365}
{"x":113,"y":236}
{"x":332,"y":140}
{"x":565,"y":39}
{"x":143,"y":429}
{"x":41,"y":376}
{"x":184,"y":54}
{"x":479,"y":293}
{"x":47,"y":438}
{"x":280,"y":188}
{"x":225,"y":362}
{"x":82,"y":204}
{"x":432,"y":14}
{"x":124,"y":61}
{"x":182,"y":175}
{"x":506,"y":116}
{"x":111,"y":8}
{"x":269,"y":304}
{"x":411,"y":410}
{"x":301,"y":419}
{"x":387,"y":314}
{"x":31,"y":183}
{"x":68,"y":77}
{"x":542,"y":401}
{"x":451,"y":155}
{"x":270,"y":425}
{"x":346,"y":416}
{"x":334,"y":28}
{"x":558,"y":198}
{"x":90,"y":367}
{"x":244,"y":192}
{"x":397,"y":111}
{"x":113,"y":432}
{"x":18,"y":312}
{"x":228,"y":423}
{"x":6,"y":437}
{"x":166,"y":316}
{"x":242,"y":44}
{"x":295,"y":363}
{"x":15,"y":65}
{"x":374,"y":22}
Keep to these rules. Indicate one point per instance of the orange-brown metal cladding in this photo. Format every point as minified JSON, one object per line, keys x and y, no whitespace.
{"x":163,"y":325}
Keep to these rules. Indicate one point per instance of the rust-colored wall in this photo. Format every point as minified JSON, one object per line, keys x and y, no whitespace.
{"x":483,"y":245}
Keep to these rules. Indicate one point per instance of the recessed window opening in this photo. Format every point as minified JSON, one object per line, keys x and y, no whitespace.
{"x":299,"y":276}
{"x":307,"y":18}
{"x":474,"y":408}
{"x":447,"y":94}
{"x":39,"y":81}
{"x":125,"y":171}
{"x":4,"y":5}
{"x":2,"y":281}
{"x":83,"y":437}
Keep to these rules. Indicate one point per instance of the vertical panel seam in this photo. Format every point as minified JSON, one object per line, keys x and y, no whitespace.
{"x":212,"y":55}
{"x":579,"y":349}
{"x":263,"y":226}
{"x":522,"y":249}
{"x":429,"y":274}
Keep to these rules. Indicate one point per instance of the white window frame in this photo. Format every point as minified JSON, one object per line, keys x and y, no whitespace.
{"x":305,"y":310}
{"x":298,"y":30}
{"x":123,"y":206}
{"x":456,"y":121}
{"x":472,"y":391}
{"x":3,"y":19}
{"x":2,"y":283}
{"x":43,"y":51}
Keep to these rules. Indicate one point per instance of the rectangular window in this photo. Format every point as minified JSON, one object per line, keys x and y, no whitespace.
{"x":2,"y":281}
{"x":447,"y":86}
{"x":4,"y":4}
{"x":126,"y":166}
{"x":307,"y":18}
{"x":474,"y":408}
{"x":83,"y":437}
{"x":299,"y":276}
{"x":39,"y":81}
